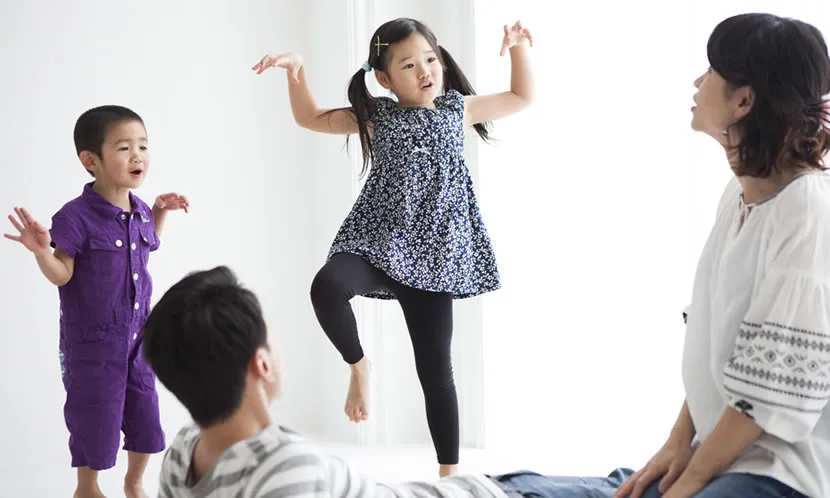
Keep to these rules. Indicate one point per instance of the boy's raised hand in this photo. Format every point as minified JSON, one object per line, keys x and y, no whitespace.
{"x":34,"y":236}
{"x":171,"y":202}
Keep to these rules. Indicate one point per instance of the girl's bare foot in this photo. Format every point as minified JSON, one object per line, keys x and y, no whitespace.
{"x":357,"y":400}
{"x":447,"y":470}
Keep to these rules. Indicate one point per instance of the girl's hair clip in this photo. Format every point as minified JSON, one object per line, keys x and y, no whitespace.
{"x":825,"y":111}
{"x":366,"y":67}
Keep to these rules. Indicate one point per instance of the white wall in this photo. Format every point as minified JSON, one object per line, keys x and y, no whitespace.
{"x":598,"y":200}
{"x":218,"y":134}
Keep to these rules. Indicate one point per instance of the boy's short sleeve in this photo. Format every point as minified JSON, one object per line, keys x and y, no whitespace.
{"x":67,"y":232}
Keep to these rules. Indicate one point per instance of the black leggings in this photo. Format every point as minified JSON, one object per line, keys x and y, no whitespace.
{"x":429,"y":320}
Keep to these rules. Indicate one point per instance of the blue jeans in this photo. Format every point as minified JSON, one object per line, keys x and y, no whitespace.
{"x":531,"y":484}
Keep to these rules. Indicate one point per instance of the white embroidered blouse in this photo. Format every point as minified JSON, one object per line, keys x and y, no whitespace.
{"x":758,"y":330}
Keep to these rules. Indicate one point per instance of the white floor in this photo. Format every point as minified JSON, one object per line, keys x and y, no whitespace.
{"x":419,"y":463}
{"x":383,"y":464}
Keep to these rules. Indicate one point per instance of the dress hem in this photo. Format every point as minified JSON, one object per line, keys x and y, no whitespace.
{"x":387,"y":296}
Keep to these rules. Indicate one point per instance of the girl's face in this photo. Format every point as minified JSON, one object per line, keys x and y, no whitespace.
{"x":414,"y":73}
{"x":717,"y":107}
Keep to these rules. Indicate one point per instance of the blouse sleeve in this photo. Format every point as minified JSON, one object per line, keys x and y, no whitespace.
{"x":779,"y":372}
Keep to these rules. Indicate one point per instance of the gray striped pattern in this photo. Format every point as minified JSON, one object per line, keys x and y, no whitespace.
{"x":279,"y":464}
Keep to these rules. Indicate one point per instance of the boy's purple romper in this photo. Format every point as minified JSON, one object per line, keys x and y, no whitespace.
{"x":109,"y":387}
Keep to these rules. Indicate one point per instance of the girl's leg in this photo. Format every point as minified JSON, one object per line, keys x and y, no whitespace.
{"x":429,"y":320}
{"x":343,"y":277}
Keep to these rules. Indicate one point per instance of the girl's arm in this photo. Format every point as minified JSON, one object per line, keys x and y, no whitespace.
{"x":303,"y":107}
{"x":482,"y":108}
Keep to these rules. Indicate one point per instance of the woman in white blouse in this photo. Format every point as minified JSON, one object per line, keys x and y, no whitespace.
{"x":756,"y":361}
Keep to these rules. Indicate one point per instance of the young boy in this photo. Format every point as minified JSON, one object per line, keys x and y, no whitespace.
{"x":102,"y":241}
{"x":208,"y":344}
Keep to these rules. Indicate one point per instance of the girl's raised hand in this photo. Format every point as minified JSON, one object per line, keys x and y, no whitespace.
{"x":290,"y":62}
{"x":516,"y":35}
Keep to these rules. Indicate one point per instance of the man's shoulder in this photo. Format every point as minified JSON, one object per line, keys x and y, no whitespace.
{"x":177,"y":461}
{"x":186,"y":434}
{"x":181,"y":448}
{"x":276,"y":444}
{"x":284,"y":459}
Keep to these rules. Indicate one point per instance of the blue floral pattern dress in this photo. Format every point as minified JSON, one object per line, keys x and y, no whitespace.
{"x":417,"y":217}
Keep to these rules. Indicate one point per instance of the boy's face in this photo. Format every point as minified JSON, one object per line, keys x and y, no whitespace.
{"x":125,"y":158}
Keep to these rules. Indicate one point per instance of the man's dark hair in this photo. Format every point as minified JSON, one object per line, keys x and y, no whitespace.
{"x":199,"y":340}
{"x":92,"y":127}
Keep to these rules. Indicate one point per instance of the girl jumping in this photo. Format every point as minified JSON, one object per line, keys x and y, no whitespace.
{"x":415,"y":233}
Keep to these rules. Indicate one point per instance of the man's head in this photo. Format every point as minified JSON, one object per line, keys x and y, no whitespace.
{"x":207,"y":343}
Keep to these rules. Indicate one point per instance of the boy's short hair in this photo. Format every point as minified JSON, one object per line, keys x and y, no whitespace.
{"x":199,"y":340}
{"x":92,"y":127}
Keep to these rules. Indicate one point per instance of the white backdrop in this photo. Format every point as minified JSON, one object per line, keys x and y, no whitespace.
{"x":599,"y":200}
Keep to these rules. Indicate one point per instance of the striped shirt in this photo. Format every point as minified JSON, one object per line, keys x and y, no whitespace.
{"x":277,"y":463}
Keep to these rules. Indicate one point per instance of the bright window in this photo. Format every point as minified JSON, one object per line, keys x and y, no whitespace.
{"x":598,"y":200}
